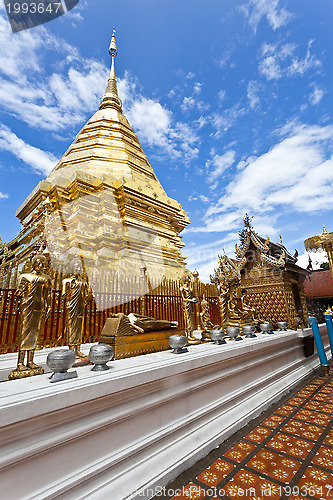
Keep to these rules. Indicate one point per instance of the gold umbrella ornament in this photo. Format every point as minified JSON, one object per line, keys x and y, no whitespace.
{"x":322,"y":241}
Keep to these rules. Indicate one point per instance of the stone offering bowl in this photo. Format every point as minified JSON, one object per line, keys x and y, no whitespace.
{"x":177,"y":343}
{"x":282,"y":326}
{"x":233,"y":333}
{"x":249,"y":330}
{"x":100,"y":354}
{"x":218,"y":336}
{"x":60,"y":360}
{"x":266,"y":328}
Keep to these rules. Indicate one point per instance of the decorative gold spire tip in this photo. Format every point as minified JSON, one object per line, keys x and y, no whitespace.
{"x":111,"y":98}
{"x":113,"y":51}
{"x":324,"y":229}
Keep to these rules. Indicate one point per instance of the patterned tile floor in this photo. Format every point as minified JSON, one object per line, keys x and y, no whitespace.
{"x":287,"y":452}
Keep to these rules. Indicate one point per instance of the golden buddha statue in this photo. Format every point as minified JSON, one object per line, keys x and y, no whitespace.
{"x":239,"y":311}
{"x":77,"y":293}
{"x":188,"y":301}
{"x":33,"y":294}
{"x":135,"y":323}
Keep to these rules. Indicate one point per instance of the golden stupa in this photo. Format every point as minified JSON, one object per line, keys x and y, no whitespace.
{"x":103,"y":202}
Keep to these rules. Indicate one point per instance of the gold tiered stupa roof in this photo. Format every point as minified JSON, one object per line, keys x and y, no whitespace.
{"x":104,"y":198}
{"x":108,"y":146}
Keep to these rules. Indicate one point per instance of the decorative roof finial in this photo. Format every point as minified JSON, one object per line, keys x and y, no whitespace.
{"x":195,"y":273}
{"x":111,"y":98}
{"x":324,"y":229}
{"x":113,"y":51}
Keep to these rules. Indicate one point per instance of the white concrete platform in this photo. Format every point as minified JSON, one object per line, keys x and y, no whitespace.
{"x":119,"y":434}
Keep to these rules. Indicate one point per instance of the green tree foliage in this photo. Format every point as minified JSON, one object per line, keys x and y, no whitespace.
{"x":242,"y":234}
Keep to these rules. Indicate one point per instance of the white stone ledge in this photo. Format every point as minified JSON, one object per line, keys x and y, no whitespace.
{"x":140,"y":424}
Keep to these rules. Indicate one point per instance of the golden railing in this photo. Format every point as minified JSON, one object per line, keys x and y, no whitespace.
{"x":164,"y":302}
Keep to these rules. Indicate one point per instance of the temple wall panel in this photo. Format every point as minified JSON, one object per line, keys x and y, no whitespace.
{"x":269,"y":302}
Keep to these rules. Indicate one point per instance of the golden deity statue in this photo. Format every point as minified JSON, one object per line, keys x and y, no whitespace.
{"x":223,"y":303}
{"x":239,"y":310}
{"x":234,"y":310}
{"x":33,"y":294}
{"x":205,"y":321}
{"x":188,"y":301}
{"x":77,"y":293}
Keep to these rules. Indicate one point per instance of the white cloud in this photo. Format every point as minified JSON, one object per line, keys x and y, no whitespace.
{"x":316,"y":95}
{"x":40,"y":161}
{"x":301,"y":66}
{"x":296,"y":173}
{"x":75,"y":16}
{"x":225,"y":58}
{"x":39,"y":95}
{"x":223,"y":121}
{"x":3,"y":196}
{"x":204,"y":257}
{"x":256,"y":10}
{"x":276,"y":61}
{"x":156,"y":125}
{"x":201,"y":197}
{"x":151,"y":120}
{"x":219,"y":164}
{"x":227,"y":222}
{"x":252,"y":94}
{"x":294,"y":176}
{"x":192,"y":101}
{"x":197,"y":88}
{"x":188,"y":102}
{"x":269,"y":67}
{"x":317,"y":258}
{"x":222,"y":95}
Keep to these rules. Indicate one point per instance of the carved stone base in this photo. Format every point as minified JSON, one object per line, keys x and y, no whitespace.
{"x":29,"y":372}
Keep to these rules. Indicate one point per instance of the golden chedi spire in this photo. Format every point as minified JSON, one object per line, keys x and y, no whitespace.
{"x":111,"y":98}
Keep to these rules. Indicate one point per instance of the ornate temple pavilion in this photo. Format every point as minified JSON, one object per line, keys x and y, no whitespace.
{"x":273,"y":280}
{"x":274,"y":283}
{"x":103,"y":202}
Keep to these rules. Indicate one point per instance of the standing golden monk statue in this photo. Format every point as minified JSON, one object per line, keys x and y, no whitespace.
{"x":77,"y":293}
{"x":33,"y":292}
{"x":188,"y":301}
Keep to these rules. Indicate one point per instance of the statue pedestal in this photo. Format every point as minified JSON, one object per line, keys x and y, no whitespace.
{"x":123,"y":432}
{"x":127,"y":345}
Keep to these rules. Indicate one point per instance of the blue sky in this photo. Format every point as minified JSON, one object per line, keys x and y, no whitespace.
{"x":231,"y":100}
